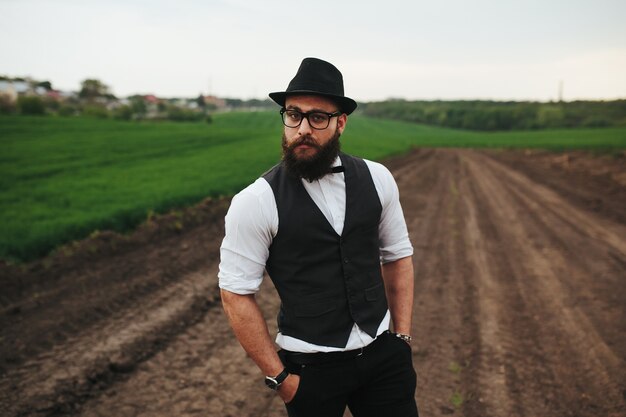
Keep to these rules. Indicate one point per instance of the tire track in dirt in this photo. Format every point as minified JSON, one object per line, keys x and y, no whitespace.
{"x":517,"y":294}
{"x":490,"y":370}
{"x":88,"y":314}
{"x":86,"y":282}
{"x":51,"y":382}
{"x":443,"y":323}
{"x":574,"y":380}
{"x":561,"y":250}
{"x":503,"y":371}
{"x":203,"y":371}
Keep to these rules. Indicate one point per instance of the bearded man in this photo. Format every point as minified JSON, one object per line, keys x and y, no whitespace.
{"x":329,"y":230}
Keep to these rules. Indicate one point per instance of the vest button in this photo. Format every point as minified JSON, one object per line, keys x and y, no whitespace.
{"x":346,"y":261}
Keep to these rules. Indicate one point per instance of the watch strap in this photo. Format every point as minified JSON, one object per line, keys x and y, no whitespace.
{"x":281,"y":376}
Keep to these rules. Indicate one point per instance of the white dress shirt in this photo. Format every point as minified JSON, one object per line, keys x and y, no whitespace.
{"x":252,"y":223}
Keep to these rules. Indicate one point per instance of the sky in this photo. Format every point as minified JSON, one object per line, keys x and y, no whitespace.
{"x":416,"y":50}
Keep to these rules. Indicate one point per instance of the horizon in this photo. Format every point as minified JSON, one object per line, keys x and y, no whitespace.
{"x":449,"y":51}
{"x":268,"y":99}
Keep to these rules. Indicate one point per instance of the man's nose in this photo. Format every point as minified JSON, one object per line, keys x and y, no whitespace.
{"x":305,"y":127}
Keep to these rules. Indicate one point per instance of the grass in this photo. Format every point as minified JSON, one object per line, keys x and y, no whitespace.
{"x":373,"y":138}
{"x":63,"y":178}
{"x":455,"y":367}
{"x":457,"y":399}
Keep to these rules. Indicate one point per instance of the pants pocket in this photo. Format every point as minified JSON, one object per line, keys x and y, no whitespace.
{"x":298,"y":393}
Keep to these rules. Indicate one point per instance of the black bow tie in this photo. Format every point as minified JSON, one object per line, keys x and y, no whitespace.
{"x":337,"y":169}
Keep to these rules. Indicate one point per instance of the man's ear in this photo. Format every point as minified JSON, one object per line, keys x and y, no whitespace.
{"x":342,"y":120}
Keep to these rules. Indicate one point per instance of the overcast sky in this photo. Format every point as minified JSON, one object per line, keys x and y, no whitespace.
{"x":481,"y":49}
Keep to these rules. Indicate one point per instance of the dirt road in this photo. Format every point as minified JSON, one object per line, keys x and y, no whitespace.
{"x":520,"y":266}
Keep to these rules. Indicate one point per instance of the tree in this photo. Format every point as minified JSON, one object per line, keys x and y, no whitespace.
{"x":138,"y":106}
{"x":92,"y":89}
{"x":200,"y":101}
{"x":45,"y":84}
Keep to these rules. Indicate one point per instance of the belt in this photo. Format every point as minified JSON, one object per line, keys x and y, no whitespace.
{"x":299,"y":358}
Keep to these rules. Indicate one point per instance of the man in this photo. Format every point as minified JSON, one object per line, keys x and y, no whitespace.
{"x":321,"y":223}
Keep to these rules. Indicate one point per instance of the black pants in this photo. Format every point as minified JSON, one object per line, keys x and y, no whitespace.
{"x":379,"y":383}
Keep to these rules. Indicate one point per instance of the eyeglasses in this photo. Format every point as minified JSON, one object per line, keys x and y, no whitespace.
{"x":317,"y":119}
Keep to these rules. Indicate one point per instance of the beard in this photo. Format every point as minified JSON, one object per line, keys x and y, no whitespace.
{"x":313,"y":167}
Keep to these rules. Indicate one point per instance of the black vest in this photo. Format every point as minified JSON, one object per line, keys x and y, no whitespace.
{"x":327,"y":282}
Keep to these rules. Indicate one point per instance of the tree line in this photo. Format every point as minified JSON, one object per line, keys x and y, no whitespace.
{"x":95,"y":99}
{"x":499,"y":115}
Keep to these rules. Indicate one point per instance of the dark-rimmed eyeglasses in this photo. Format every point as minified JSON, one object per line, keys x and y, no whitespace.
{"x":317,"y":119}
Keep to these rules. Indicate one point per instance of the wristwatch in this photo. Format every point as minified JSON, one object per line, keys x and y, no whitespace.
{"x":404,"y":337}
{"x":273,"y":382}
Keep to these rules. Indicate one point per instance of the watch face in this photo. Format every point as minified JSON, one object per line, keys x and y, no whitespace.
{"x":271,"y":382}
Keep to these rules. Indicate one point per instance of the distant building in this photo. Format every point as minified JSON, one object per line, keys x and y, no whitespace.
{"x":151,"y":99}
{"x":216,"y":102}
{"x":54,"y":94}
{"x":13,"y":89}
{"x":152,"y":106}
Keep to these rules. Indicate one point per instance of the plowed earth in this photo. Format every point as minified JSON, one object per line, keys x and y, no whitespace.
{"x":520,"y":301}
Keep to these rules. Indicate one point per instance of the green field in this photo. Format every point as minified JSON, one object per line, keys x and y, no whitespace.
{"x":63,"y":178}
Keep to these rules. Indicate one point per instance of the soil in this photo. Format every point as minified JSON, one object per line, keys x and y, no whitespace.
{"x":520,"y":272}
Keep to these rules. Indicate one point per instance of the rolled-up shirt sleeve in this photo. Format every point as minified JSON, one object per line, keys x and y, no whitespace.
{"x":392,"y":230}
{"x":250,"y":226}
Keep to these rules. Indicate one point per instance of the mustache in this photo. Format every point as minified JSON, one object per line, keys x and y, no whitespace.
{"x":304,"y":140}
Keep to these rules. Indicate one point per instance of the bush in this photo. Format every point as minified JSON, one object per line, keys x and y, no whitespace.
{"x":51,"y":104}
{"x":30,"y":105}
{"x":123,"y":113}
{"x":177,"y":114}
{"x":95,"y":110}
{"x":596,"y":121}
{"x":67,"y":110}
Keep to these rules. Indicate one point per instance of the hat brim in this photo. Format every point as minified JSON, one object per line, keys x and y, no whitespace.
{"x":346,"y":104}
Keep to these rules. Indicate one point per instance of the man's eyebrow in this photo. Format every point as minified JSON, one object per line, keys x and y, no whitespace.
{"x":292,"y":107}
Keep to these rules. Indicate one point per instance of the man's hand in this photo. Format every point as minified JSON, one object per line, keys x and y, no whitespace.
{"x":289,"y":387}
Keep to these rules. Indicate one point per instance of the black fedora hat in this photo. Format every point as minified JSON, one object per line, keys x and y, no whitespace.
{"x":320,"y":78}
